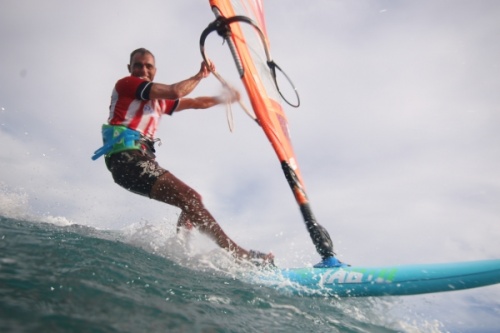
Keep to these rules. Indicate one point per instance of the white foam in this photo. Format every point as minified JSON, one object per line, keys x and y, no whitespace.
{"x":15,"y":205}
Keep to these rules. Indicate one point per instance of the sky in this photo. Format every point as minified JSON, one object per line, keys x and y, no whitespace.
{"x":397,"y":136}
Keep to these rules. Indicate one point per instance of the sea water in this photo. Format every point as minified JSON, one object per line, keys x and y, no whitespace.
{"x":72,"y":278}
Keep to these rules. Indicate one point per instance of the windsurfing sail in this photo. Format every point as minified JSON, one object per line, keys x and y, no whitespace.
{"x":250,"y":49}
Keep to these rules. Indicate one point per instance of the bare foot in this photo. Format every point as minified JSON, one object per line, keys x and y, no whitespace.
{"x":260,"y":258}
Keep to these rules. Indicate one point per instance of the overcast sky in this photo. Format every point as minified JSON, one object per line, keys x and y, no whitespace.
{"x":397,"y":137}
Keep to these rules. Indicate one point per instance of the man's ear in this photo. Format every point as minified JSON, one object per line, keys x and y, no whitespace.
{"x":128,"y":67}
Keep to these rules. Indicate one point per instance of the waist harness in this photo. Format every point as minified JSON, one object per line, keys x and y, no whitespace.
{"x":117,"y":139}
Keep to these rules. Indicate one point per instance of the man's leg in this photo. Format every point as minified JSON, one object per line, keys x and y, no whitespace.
{"x":171,"y":190}
{"x":183,"y":222}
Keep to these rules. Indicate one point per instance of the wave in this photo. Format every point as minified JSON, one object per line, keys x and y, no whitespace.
{"x":59,"y":276}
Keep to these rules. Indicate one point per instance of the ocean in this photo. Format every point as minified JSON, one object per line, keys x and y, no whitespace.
{"x":72,"y":278}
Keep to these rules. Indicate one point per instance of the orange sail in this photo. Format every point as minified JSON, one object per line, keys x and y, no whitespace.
{"x":251,"y":51}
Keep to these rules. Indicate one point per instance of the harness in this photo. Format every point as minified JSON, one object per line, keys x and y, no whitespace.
{"x":117,"y":139}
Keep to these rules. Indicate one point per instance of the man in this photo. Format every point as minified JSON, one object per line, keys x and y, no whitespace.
{"x":137,"y":103}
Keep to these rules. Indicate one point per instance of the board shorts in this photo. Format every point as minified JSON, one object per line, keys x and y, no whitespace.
{"x":135,"y":170}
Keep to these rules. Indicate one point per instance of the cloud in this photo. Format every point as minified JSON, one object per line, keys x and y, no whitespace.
{"x":397,"y":134}
{"x":397,"y":137}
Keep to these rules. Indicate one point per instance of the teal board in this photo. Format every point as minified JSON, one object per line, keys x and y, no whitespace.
{"x":353,"y":281}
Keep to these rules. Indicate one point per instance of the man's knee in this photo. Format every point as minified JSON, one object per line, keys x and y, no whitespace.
{"x":193,"y":200}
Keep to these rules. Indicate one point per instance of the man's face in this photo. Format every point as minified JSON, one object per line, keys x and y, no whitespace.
{"x":143,"y":66}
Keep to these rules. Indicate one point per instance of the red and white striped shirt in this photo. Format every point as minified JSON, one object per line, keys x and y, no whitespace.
{"x":131,"y":107}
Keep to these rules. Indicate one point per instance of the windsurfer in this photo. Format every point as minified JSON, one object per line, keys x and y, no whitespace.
{"x":137,"y":103}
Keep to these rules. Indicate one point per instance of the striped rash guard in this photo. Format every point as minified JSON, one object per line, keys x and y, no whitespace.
{"x":131,"y":106}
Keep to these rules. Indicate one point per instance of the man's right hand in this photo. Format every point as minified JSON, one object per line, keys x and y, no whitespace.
{"x":206,"y":69}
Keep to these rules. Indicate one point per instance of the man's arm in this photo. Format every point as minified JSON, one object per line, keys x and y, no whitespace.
{"x":206,"y":102}
{"x":179,"y":89}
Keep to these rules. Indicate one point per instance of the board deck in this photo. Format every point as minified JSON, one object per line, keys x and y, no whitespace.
{"x":354,"y":281}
